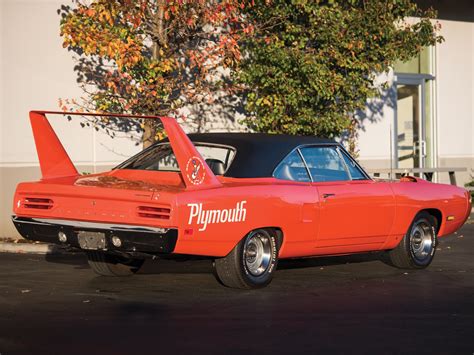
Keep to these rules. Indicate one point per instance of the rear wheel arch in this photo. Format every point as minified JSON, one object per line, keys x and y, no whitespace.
{"x":277,"y":232}
{"x":278,"y":235}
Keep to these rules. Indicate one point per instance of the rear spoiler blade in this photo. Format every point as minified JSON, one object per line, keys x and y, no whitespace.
{"x":55,"y":162}
{"x":53,"y":159}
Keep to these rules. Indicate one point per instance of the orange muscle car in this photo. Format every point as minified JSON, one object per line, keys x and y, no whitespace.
{"x":245,"y":200}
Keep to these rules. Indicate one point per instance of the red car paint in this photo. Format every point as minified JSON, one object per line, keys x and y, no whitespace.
{"x":213,"y":213}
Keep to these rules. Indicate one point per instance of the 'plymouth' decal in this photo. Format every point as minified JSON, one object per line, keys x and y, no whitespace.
{"x":205,"y":217}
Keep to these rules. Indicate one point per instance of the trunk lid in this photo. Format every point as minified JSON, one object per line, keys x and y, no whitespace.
{"x":119,"y":196}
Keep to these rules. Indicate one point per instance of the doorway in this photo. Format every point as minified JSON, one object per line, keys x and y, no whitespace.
{"x":412,"y":126}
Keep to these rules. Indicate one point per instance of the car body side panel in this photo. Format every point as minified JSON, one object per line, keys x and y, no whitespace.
{"x":291,"y":207}
{"x":357,"y":213}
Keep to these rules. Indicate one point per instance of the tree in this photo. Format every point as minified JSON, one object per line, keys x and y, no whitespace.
{"x":311,"y":63}
{"x":149,"y":56}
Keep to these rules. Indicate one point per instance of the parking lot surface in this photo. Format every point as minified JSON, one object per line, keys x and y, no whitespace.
{"x":54,"y":304}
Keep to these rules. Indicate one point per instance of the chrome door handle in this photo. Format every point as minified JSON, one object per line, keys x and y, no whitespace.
{"x":328,"y":195}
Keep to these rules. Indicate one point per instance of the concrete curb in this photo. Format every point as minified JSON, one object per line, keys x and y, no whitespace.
{"x":27,"y":248}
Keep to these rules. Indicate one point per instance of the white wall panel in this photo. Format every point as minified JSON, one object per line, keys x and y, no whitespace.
{"x":35,"y":72}
{"x":455,"y":80}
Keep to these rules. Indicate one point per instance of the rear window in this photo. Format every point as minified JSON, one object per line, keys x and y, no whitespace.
{"x":160,"y":157}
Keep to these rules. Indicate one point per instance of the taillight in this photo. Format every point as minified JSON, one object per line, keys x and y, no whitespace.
{"x":37,"y":203}
{"x":154,"y":212}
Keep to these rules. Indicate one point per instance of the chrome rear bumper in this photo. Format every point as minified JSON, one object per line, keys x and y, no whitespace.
{"x":133,"y":238}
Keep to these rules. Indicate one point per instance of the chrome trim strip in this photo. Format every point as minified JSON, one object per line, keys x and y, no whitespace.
{"x":94,"y":225}
{"x":305,"y":164}
{"x":338,"y":150}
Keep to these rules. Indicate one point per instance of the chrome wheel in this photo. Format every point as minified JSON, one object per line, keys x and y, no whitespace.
{"x":252,"y":262}
{"x":422,"y":241}
{"x":417,"y":248}
{"x":257,"y":253}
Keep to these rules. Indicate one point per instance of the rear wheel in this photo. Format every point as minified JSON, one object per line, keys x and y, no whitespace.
{"x":251,"y":263}
{"x":417,"y":248}
{"x":106,"y":264}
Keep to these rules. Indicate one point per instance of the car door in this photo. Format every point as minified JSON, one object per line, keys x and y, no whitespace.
{"x":355,"y":211}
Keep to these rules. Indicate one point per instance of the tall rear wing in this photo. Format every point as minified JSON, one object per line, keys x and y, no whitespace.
{"x":55,"y":162}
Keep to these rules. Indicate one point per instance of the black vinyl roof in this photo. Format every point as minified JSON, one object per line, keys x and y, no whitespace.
{"x":257,"y":154}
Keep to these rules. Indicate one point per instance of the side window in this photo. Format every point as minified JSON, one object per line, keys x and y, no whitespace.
{"x":292,"y":168}
{"x":355,"y":171}
{"x":325,"y":164}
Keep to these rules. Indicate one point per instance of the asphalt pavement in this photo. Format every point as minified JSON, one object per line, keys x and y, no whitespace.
{"x":54,"y":304}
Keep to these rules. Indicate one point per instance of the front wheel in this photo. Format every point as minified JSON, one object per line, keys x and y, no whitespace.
{"x":251,"y":263}
{"x":416,"y":250}
{"x":106,"y":264}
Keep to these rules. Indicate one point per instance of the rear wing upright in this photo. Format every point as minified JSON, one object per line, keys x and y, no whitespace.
{"x":55,"y":162}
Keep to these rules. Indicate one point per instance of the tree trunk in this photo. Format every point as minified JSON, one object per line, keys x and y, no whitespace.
{"x":149,"y":126}
{"x":353,"y":136}
{"x":148,"y":137}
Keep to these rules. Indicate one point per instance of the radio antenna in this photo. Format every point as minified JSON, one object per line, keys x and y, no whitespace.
{"x":391,"y":151}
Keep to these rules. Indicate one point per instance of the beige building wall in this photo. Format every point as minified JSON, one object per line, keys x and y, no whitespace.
{"x":455,"y":86}
{"x":374,"y":143}
{"x":452,"y":109}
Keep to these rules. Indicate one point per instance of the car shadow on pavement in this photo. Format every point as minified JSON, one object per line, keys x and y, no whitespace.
{"x":70,"y":258}
{"x":204,"y":266}
{"x":328,"y":261}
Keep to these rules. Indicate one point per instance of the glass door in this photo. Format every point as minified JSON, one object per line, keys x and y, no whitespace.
{"x":410,"y":140}
{"x":412,"y":126}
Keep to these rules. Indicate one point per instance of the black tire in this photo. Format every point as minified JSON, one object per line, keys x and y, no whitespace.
{"x":251,"y":264}
{"x":417,"y":248}
{"x":105,"y":264}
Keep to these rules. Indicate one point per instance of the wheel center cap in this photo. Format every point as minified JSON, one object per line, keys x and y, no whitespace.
{"x":251,"y":253}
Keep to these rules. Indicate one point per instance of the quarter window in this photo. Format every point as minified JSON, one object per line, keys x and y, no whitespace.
{"x":292,"y":168}
{"x":325,"y":164}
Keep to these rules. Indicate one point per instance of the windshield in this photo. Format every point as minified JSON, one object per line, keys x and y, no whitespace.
{"x":160,"y":157}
